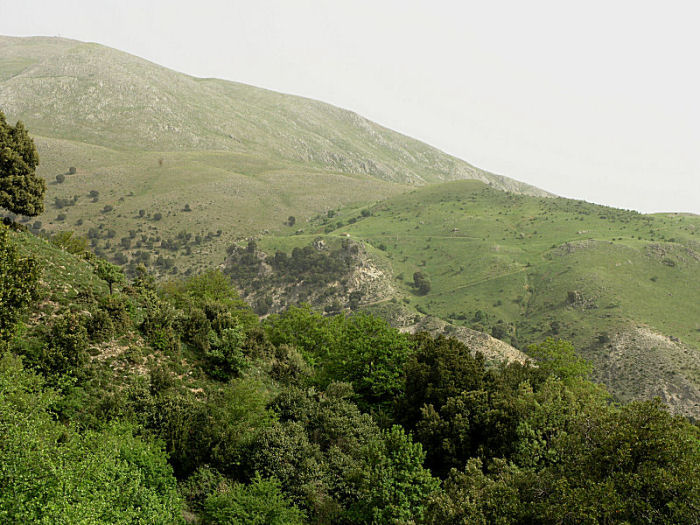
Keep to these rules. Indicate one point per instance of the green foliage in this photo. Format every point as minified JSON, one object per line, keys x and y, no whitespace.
{"x":369,"y":354}
{"x":473,"y":497}
{"x":108,"y":272}
{"x":225,"y":353}
{"x":52,"y":474}
{"x":21,"y":191}
{"x":284,"y":451}
{"x":18,"y":285}
{"x":65,"y":346}
{"x":440,"y":368}
{"x":237,"y":414}
{"x":394,"y":484}
{"x":512,"y":443}
{"x":68,"y":241}
{"x":158,"y":326}
{"x":361,"y":349}
{"x":559,"y":358}
{"x":261,"y":502}
{"x":421,"y":283}
{"x":301,"y":327}
{"x":99,"y":326}
{"x":202,"y":483}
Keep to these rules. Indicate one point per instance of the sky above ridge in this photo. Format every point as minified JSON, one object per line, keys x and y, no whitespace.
{"x":590,"y":100}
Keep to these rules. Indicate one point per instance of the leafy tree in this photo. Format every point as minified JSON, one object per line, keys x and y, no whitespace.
{"x":21,"y":191}
{"x":18,"y":285}
{"x":284,"y":451}
{"x":60,"y":178}
{"x":438,"y":369}
{"x":291,"y":221}
{"x":65,"y":350}
{"x":395,"y":486}
{"x":558,"y":357}
{"x":68,"y":241}
{"x":474,"y":497}
{"x":421,"y":282}
{"x":369,"y":354}
{"x":303,"y":328}
{"x":225,"y":352}
{"x":108,"y":272}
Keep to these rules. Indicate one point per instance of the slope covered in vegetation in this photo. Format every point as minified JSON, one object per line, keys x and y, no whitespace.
{"x":173,"y":402}
{"x":622,"y":286}
{"x":148,"y":153}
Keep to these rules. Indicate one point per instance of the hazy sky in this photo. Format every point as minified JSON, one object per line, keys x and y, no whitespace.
{"x":592,"y":100}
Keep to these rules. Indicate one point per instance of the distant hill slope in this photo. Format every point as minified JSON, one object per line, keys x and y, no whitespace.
{"x":622,"y":286}
{"x":90,"y":93}
{"x":147,"y":143}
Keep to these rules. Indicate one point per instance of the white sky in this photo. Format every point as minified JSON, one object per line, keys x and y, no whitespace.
{"x":592,"y":100}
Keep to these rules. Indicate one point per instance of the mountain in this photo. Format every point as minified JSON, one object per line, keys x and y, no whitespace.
{"x":89,"y":93}
{"x":622,"y":286}
{"x":178,"y":173}
{"x":153,"y":142}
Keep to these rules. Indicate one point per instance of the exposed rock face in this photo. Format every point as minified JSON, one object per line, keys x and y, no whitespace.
{"x":363,"y":284}
{"x":492,"y":348}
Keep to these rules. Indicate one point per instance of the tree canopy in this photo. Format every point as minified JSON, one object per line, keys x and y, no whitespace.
{"x":21,"y":191}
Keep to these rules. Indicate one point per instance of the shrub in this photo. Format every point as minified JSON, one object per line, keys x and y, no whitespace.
{"x":99,"y":326}
{"x":261,"y":502}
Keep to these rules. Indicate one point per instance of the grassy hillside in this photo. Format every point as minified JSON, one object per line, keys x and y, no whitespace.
{"x":175,"y":404}
{"x":621,"y":285}
{"x":90,"y":93}
{"x":242,"y":158}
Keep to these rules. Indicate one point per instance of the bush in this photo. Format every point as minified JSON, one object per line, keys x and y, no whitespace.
{"x":65,"y":350}
{"x":60,"y":178}
{"x":205,"y":482}
{"x":261,"y":502}
{"x":111,"y":475}
{"x":99,"y":326}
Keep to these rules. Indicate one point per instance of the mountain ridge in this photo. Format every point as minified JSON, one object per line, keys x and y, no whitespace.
{"x":96,"y":94}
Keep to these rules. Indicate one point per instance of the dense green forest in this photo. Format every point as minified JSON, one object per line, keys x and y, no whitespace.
{"x":174,"y":402}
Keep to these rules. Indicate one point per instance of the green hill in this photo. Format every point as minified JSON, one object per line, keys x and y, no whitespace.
{"x":243,"y":158}
{"x":622,"y":286}
{"x":169,"y":170}
{"x":174,"y":403}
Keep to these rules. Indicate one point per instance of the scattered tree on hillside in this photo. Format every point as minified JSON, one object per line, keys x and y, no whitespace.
{"x":21,"y":191}
{"x":109,"y":272}
{"x":421,"y":282}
